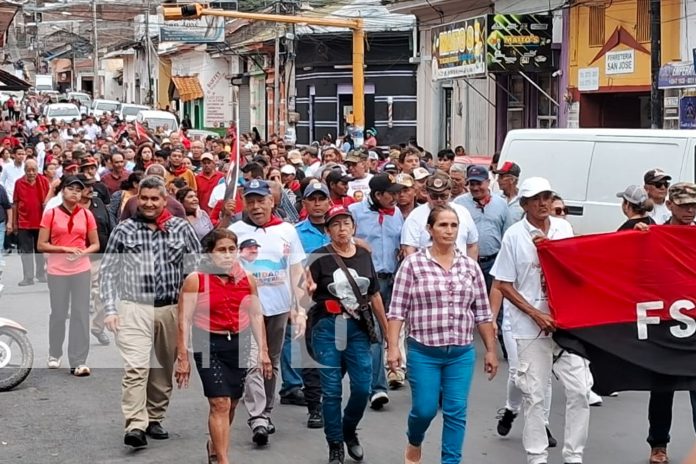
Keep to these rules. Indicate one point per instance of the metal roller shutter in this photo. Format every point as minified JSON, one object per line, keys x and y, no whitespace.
{"x":244,"y":109}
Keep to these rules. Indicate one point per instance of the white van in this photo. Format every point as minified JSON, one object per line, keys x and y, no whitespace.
{"x":62,"y":112}
{"x":100,"y":107}
{"x":82,"y":97}
{"x":155,"y":119}
{"x":130,"y":111}
{"x":587,"y":167}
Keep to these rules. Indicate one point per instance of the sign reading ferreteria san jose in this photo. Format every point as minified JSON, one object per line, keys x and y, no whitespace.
{"x":492,"y":43}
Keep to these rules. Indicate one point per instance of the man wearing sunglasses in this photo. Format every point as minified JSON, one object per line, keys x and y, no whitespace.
{"x":414,"y":235}
{"x":657,"y":184}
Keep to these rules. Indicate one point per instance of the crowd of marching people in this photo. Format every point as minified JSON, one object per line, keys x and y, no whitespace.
{"x":271,"y":267}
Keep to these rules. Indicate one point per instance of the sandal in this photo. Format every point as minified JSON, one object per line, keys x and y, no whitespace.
{"x":81,"y":371}
{"x":212,"y":457}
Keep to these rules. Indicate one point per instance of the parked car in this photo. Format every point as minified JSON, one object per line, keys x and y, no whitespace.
{"x":82,"y":97}
{"x":588,"y":166}
{"x":62,"y":112}
{"x":99,"y":107}
{"x":155,"y":119}
{"x":129,"y":111}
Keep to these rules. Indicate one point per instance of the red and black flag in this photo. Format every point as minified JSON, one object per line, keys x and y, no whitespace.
{"x":627,"y":302}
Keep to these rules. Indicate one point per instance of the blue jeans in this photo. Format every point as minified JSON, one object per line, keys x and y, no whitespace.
{"x":432,"y":371}
{"x":292,"y":380}
{"x":3,"y":227}
{"x":341,"y":342}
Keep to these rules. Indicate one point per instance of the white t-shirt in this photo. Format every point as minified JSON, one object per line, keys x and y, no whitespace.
{"x":518,"y":263}
{"x":54,"y":202}
{"x":313,"y":169}
{"x":360,"y":185}
{"x":9,"y":177}
{"x":279,"y":248}
{"x":415,"y":234}
{"x":660,"y":213}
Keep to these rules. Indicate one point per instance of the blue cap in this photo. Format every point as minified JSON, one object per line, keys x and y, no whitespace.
{"x":477,"y":173}
{"x":257,"y":187}
{"x":250,"y":242}
{"x":316,"y":187}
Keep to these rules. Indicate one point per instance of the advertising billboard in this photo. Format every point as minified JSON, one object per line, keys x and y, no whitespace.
{"x":459,"y":49}
{"x":519,"y":43}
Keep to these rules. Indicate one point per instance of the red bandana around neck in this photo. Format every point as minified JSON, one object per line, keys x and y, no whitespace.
{"x":385,"y":211}
{"x":178,"y":171}
{"x":161,"y":221}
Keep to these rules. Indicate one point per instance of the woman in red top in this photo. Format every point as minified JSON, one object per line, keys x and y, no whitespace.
{"x":221,"y":302}
{"x":69,"y":234}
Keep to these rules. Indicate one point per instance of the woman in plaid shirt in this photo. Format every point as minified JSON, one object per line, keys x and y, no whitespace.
{"x":441,"y":294}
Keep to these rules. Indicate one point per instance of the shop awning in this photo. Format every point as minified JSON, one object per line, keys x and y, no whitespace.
{"x":12,"y":83}
{"x":189,"y":87}
{"x":677,"y":75}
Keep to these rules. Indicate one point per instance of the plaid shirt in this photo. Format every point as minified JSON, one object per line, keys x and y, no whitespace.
{"x":440,"y":307}
{"x":144,"y":266}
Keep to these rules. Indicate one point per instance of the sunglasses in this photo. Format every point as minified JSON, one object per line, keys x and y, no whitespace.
{"x":663,"y":184}
{"x":439,"y":196}
{"x":561,"y":211}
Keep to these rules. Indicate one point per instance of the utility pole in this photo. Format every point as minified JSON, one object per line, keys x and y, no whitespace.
{"x":276,"y":78}
{"x":148,"y":98}
{"x":656,"y":100}
{"x":96,"y":91}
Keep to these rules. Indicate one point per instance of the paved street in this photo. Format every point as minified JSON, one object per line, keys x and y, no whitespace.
{"x":55,"y":418}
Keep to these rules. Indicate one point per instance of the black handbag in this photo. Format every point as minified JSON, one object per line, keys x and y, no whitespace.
{"x":364,"y":310}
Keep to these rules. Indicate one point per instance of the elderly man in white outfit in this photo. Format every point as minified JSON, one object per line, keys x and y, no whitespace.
{"x":521,"y":281}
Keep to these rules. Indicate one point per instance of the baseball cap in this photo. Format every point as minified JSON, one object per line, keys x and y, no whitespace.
{"x":405,"y":179}
{"x":633,"y":194}
{"x":336,"y":175}
{"x":250,"y":242}
{"x":295,"y":157}
{"x":477,"y":173}
{"x":510,"y":168}
{"x":384,"y":183}
{"x":288,"y":169}
{"x":72,"y":180}
{"x":260,"y":160}
{"x":534,"y":186}
{"x":86,"y":180}
{"x":166,"y":141}
{"x":356,"y":156}
{"x":655,"y":175}
{"x":420,"y":174}
{"x":88,"y":161}
{"x":372,"y":155}
{"x":316,"y":187}
{"x":438,"y":182}
{"x":683,"y":193}
{"x":335,"y":212}
{"x":207,"y":156}
{"x":257,"y":187}
{"x":390,"y":167}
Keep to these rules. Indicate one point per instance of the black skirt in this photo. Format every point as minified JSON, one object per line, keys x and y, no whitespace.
{"x":221,"y":362}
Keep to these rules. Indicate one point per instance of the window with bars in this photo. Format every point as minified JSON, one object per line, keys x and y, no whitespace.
{"x":596,"y":26}
{"x":643,"y":21}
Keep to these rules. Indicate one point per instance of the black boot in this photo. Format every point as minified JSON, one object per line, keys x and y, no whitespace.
{"x":336,"y":453}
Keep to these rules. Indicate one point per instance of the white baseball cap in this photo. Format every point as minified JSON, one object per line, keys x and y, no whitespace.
{"x":420,"y":173}
{"x":288,"y":169}
{"x":534,"y":186}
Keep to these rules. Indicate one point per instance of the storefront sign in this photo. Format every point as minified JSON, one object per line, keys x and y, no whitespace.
{"x":588,"y":79}
{"x":459,"y":49}
{"x":207,"y":29}
{"x":687,"y":113}
{"x":677,"y":75}
{"x":620,"y":62}
{"x":519,"y":43}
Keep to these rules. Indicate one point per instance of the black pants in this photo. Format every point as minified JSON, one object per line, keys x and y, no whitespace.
{"x":32,"y":260}
{"x":312,"y":387}
{"x":660,"y":416}
{"x":69,"y":293}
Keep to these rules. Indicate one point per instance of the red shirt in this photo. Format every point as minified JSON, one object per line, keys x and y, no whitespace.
{"x":113,"y":184}
{"x":29,"y":200}
{"x":68,"y":230}
{"x":205,"y":188}
{"x":221,"y":307}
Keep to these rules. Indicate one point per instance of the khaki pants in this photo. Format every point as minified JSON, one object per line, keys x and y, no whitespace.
{"x":147,"y":341}
{"x":97,"y":309}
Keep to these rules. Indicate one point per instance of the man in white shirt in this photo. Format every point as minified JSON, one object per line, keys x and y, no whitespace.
{"x":414,"y":235}
{"x":521,"y":281}
{"x":11,"y":172}
{"x":356,"y":162}
{"x":92,"y":130}
{"x":657,"y":185}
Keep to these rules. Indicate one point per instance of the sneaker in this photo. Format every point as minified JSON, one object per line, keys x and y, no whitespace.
{"x":658,"y":455}
{"x":552,"y":441}
{"x":337,"y":453}
{"x":80,"y":371}
{"x":396,"y":379}
{"x":355,"y":449}
{"x":26,"y":283}
{"x":378,"y":400}
{"x":260,"y":436}
{"x":594,"y":399}
{"x":315,"y":420}
{"x":295,"y":397}
{"x":53,"y":363}
{"x":270,"y":427}
{"x":505,"y":419}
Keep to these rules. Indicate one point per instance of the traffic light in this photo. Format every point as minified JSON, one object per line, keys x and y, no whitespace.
{"x":178,"y":12}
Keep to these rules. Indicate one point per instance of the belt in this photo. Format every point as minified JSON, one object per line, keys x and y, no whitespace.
{"x":485,"y":259}
{"x":385,"y":275}
{"x":164,"y":302}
